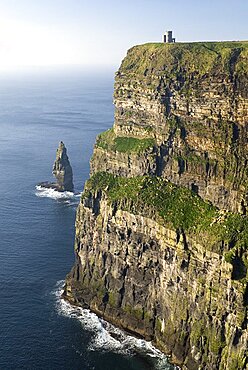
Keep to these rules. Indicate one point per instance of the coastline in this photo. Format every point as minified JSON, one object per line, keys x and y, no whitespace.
{"x":158,"y":349}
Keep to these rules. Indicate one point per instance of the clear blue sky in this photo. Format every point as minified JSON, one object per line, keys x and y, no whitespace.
{"x":98,"y":32}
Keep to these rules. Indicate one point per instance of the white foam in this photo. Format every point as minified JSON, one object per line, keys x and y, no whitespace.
{"x":43,"y":192}
{"x":106,"y":337}
{"x":77,"y":195}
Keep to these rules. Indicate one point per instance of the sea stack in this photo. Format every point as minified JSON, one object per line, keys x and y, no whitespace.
{"x":62,"y":170}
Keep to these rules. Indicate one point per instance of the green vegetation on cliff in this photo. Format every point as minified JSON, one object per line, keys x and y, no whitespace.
{"x":152,"y":256}
{"x":199,"y":57}
{"x":176,"y":206}
{"x":108,"y":140}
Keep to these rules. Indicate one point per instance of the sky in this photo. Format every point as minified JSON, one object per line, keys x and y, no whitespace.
{"x":99,"y":32}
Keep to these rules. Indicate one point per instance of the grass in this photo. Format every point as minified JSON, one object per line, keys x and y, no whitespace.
{"x":130,"y":144}
{"x":198,"y":57}
{"x":175,"y":206}
{"x":194,"y":158}
{"x":107,"y":140}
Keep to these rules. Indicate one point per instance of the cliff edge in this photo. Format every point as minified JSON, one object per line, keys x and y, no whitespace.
{"x":162,"y":227}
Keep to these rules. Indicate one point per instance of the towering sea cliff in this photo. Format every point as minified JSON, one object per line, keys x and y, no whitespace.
{"x":162,"y":228}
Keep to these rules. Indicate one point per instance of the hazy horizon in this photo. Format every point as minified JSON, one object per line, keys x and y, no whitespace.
{"x":81,"y":33}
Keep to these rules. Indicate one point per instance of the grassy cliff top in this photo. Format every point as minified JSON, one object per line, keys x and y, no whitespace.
{"x":200,"y":57}
{"x":177,"y":207}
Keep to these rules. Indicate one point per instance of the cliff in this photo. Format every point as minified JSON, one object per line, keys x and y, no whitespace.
{"x":161,"y":229}
{"x":181,"y":113}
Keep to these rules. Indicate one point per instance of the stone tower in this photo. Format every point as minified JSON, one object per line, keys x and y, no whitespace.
{"x":168,"y":39}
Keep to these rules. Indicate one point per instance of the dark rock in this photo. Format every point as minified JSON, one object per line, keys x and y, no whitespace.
{"x":62,"y":171}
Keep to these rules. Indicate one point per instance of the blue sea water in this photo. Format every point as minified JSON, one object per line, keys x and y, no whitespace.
{"x":37,"y":329}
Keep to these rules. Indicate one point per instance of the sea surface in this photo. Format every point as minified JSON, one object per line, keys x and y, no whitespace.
{"x":38,"y":330}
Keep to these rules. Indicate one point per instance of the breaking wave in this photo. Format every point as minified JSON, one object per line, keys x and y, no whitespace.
{"x":43,"y":192}
{"x":106,"y":337}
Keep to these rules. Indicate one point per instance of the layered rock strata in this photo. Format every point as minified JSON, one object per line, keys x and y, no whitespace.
{"x":62,"y":169}
{"x":161,"y":229}
{"x":192,"y":100}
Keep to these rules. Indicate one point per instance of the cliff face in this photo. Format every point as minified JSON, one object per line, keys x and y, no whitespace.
{"x":161,"y":229}
{"x":192,"y":100}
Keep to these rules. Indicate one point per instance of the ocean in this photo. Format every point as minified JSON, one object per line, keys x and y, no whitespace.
{"x":38,"y":330}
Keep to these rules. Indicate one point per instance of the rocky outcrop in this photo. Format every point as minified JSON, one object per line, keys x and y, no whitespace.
{"x":62,"y":170}
{"x":162,"y":228}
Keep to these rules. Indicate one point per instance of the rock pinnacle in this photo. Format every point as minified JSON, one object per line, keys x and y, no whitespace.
{"x":62,"y":169}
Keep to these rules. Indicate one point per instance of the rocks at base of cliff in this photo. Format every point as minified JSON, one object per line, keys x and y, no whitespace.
{"x":62,"y":171}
